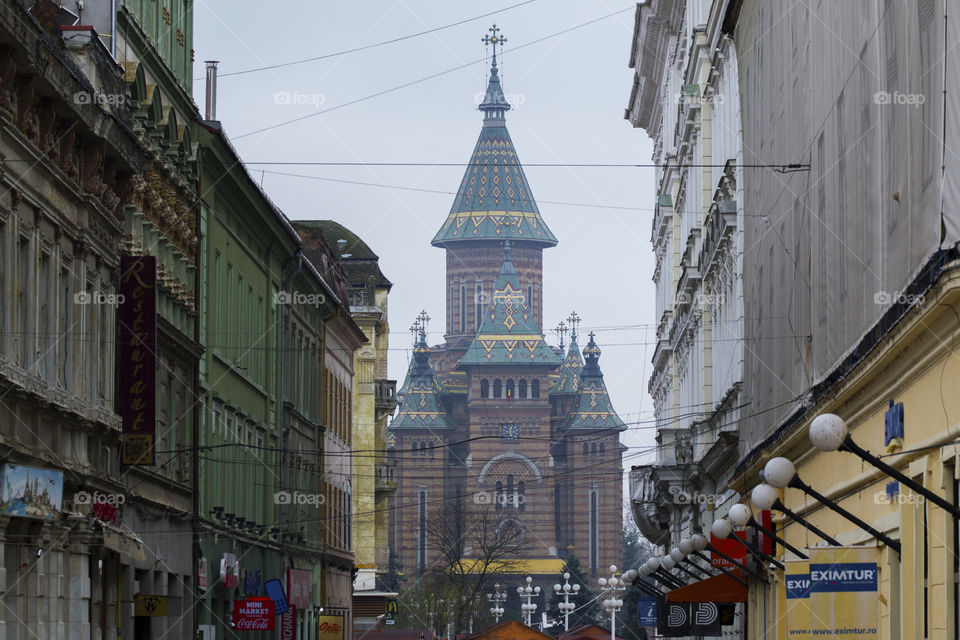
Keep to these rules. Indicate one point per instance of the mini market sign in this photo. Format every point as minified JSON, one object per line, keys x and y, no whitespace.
{"x":254,"y":614}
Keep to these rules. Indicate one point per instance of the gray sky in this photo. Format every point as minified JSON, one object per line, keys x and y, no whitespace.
{"x":568,"y":95}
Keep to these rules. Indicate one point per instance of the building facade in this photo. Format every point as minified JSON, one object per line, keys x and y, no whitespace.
{"x":373,"y":402}
{"x":846,"y":218}
{"x":495,"y":419}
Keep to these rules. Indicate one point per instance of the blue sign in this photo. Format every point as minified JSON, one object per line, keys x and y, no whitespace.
{"x":274,"y":591}
{"x":843,"y":576}
{"x":798,"y":586}
{"x":647,"y":611}
{"x":251,"y":583}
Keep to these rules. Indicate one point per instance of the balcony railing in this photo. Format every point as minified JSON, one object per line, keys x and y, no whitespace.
{"x":385,"y":397}
{"x":385,"y":477}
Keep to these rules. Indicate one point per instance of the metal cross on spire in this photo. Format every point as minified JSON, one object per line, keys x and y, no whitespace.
{"x":415,"y":331}
{"x":423,"y":319}
{"x":494,"y":40}
{"x":561,"y":332}
{"x":574,"y":322}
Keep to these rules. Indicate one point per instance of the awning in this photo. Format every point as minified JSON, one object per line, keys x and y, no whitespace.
{"x":721,"y":588}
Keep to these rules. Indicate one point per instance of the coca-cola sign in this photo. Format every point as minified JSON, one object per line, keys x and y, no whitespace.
{"x":254,"y":614}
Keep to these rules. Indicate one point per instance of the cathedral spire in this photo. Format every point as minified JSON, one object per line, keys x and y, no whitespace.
{"x":592,"y":409}
{"x":494,"y":104}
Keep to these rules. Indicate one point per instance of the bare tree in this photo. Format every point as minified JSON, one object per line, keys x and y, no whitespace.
{"x":472,"y":544}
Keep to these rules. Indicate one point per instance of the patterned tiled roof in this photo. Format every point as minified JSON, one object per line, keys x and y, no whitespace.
{"x":494,"y":193}
{"x":569,"y":372}
{"x":419,"y":408}
{"x":592,"y":409}
{"x":509,"y":333}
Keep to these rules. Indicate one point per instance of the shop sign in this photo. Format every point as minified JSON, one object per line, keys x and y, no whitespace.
{"x":298,"y":588}
{"x":329,"y":627}
{"x":254,"y":614}
{"x":150,"y":606}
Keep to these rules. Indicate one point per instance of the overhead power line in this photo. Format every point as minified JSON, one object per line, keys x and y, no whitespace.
{"x":369,"y":46}
{"x":431,"y":76}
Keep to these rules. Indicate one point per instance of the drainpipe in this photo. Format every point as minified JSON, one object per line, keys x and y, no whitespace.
{"x":195,"y":471}
{"x":298,"y":257}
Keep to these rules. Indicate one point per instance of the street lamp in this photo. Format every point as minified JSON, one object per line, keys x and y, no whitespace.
{"x":497,"y":598}
{"x":528,"y":607}
{"x":723,"y":529}
{"x":764,"y":497}
{"x":566,"y":606}
{"x":741,"y":516}
{"x":828,"y":432}
{"x":612,"y":587}
{"x":780,"y":473}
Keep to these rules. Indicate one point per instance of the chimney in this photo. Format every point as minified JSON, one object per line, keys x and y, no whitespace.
{"x":210,"y":112}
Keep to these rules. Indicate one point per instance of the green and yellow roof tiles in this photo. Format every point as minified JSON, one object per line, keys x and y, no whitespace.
{"x":568,"y":376}
{"x":592,"y":408}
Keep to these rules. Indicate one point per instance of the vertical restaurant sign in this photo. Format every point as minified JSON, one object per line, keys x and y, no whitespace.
{"x":298,"y":588}
{"x":138,"y":359}
{"x":329,"y":627}
{"x":844,"y":592}
{"x":796,"y":584}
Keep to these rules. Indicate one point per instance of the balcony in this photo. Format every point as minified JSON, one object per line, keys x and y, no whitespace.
{"x":385,"y":397}
{"x":385,"y":478}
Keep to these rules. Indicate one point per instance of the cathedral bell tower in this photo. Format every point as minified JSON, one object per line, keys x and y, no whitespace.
{"x":493,"y":203}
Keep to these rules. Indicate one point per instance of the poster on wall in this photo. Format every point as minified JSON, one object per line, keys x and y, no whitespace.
{"x":796,"y":585}
{"x":298,"y":588}
{"x":137,"y":347}
{"x":844,"y":590}
{"x":29,"y":492}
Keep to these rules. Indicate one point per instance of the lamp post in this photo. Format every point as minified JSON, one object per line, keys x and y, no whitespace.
{"x":497,"y":598}
{"x":566,"y":606}
{"x":780,"y":473}
{"x":828,"y":432}
{"x":612,"y":587}
{"x":528,"y":607}
{"x":741,"y":516}
{"x":764,"y":497}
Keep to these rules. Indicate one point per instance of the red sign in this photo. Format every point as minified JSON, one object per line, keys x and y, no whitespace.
{"x":766,"y":542}
{"x":254,"y":614}
{"x":105,"y":512}
{"x":288,"y":624}
{"x":137,"y":373}
{"x":731,"y":548}
{"x":298,"y":588}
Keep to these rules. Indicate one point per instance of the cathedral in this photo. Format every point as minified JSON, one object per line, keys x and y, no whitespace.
{"x":494,"y":418}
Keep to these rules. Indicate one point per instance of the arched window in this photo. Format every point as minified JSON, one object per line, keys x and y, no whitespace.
{"x":484,"y":388}
{"x":586,"y":448}
{"x":478,"y":307}
{"x":498,"y":498}
{"x":497,"y":388}
{"x":510,"y":390}
{"x":463,"y":308}
{"x":451,"y":306}
{"x":535,"y":388}
{"x":413,"y":448}
{"x":594,"y":530}
{"x":423,"y":448}
{"x":601,"y":448}
{"x":521,"y":497}
{"x":511,"y":496}
{"x":530,"y":297}
{"x":522,"y":389}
